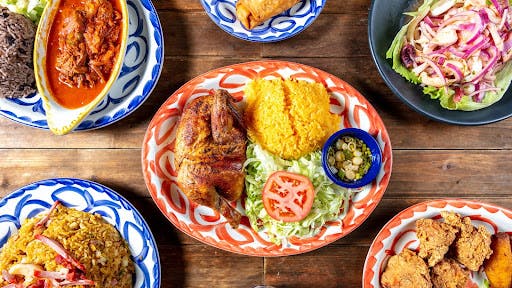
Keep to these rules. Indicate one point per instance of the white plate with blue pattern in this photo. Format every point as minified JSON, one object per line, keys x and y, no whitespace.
{"x":140,"y":72}
{"x":277,"y":28}
{"x":90,"y":197}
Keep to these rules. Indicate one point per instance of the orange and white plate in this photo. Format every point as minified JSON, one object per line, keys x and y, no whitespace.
{"x":208,"y":226}
{"x":400,"y":233}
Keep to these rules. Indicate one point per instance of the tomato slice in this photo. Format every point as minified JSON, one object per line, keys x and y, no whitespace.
{"x":288,"y":196}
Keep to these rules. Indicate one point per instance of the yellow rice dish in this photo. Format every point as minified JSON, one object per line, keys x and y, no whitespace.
{"x":289,"y":118}
{"x":92,"y":253}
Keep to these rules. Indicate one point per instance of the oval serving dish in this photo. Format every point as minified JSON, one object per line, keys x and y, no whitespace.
{"x":62,"y":119}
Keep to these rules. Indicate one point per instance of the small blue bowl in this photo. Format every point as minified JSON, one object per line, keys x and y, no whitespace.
{"x":374,"y":149}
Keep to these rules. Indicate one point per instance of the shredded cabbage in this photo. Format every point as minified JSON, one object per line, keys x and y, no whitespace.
{"x":327,"y":204}
{"x":30,"y":8}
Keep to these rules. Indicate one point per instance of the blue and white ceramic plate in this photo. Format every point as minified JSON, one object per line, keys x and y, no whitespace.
{"x":141,"y":69}
{"x":277,"y":28}
{"x":90,"y":197}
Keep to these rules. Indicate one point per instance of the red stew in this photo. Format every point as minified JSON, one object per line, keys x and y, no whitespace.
{"x":83,"y":46}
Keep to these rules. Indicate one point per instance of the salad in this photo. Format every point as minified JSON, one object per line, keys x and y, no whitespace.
{"x":324,"y":201}
{"x":458,"y":50}
{"x":30,"y":8}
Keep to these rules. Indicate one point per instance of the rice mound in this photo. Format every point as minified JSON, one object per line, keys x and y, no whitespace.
{"x":17,"y":34}
{"x":289,"y":118}
{"x":87,"y":237}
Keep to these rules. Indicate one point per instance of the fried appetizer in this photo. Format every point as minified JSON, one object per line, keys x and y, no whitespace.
{"x":449,"y":274}
{"x":254,"y":12}
{"x":435,"y":239}
{"x":473,"y":245}
{"x":499,"y":266}
{"x":406,"y":270}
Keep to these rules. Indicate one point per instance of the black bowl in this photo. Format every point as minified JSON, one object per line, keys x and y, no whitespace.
{"x":385,"y":20}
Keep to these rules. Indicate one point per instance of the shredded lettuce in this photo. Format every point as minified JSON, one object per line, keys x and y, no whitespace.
{"x":327,"y":205}
{"x":445,"y":96}
{"x":30,"y":8}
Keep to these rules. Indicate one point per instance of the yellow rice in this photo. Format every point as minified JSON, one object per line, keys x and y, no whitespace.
{"x":87,"y":237}
{"x":289,"y":118}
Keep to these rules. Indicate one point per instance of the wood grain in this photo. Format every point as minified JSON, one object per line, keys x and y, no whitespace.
{"x":430,"y":159}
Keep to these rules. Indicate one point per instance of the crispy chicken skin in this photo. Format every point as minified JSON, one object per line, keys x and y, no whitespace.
{"x":449,"y":274}
{"x":435,"y":239}
{"x":406,"y":270}
{"x":473,"y":245}
{"x":210,"y":152}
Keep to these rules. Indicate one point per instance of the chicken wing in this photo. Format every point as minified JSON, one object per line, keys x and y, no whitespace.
{"x":406,"y":270}
{"x":210,"y":152}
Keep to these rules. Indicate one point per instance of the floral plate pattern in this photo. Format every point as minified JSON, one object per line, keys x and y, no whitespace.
{"x":90,"y":197}
{"x":207,"y":225}
{"x":400,"y":233}
{"x":277,"y":28}
{"x":140,"y":72}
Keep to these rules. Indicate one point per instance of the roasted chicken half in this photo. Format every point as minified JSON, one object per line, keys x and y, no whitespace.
{"x":210,"y":153}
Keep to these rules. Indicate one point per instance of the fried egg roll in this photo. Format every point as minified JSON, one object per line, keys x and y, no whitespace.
{"x":254,"y":12}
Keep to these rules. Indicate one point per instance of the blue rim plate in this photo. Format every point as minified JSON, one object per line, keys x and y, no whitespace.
{"x":277,"y":28}
{"x":91,"y":197}
{"x":384,"y":21}
{"x":140,"y":72}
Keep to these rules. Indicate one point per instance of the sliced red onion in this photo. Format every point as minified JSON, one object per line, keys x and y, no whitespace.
{"x":456,"y":52}
{"x":498,"y":6}
{"x":503,"y":18}
{"x":45,"y":219}
{"x":436,"y":69}
{"x":428,"y":21}
{"x":467,"y":26}
{"x":60,"y":250}
{"x":77,"y":282}
{"x":484,"y":16}
{"x":50,"y":275}
{"x":474,"y":48}
{"x":8,"y":276}
{"x":456,"y":71}
{"x":491,"y":63}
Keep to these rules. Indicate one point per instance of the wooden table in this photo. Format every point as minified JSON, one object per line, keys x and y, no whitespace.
{"x":431,"y":160}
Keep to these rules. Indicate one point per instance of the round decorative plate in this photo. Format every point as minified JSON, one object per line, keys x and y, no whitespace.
{"x":384,"y":21}
{"x":205,"y":224}
{"x":400,"y":233}
{"x":90,"y":197}
{"x":277,"y":28}
{"x":141,"y":69}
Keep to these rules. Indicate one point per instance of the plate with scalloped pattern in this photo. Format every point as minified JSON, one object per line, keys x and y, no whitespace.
{"x":207,"y":225}
{"x":140,"y":72}
{"x":90,"y":197}
{"x":400,"y":232}
{"x":280,"y":27}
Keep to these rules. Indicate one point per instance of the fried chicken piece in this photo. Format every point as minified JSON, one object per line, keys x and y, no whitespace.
{"x":435,"y":239}
{"x":210,"y":153}
{"x":473,"y":245}
{"x":449,"y":274}
{"x":406,"y":270}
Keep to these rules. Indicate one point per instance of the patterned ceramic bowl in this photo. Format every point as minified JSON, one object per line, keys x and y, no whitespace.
{"x":140,"y":72}
{"x":371,"y":143}
{"x":90,"y":197}
{"x":207,"y":225}
{"x":62,"y":119}
{"x":277,"y":28}
{"x":399,"y":233}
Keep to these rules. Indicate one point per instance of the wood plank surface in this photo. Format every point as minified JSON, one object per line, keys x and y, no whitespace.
{"x":430,"y":160}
